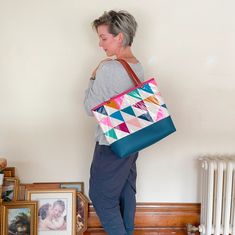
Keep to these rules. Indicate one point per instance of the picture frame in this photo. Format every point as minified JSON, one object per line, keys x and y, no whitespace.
{"x":9,"y":172}
{"x":79,"y":186}
{"x":24,"y":187}
{"x":56,"y":210}
{"x":10,"y":189}
{"x":19,"y":217}
{"x":81,"y":213}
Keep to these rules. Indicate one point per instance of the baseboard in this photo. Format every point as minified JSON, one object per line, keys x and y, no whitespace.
{"x":155,"y":219}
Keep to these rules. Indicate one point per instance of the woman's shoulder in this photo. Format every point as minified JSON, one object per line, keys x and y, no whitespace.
{"x":113,"y":64}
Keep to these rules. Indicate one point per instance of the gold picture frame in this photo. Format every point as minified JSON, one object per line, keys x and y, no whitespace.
{"x":10,"y":189}
{"x":56,"y":210}
{"x":81,"y":213}
{"x":20,"y":216}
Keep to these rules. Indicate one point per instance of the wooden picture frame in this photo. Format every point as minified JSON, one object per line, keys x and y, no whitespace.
{"x":19,"y":216}
{"x":81,"y":213}
{"x":9,"y":172}
{"x":79,"y":186}
{"x":56,"y":210}
{"x":10,"y":189}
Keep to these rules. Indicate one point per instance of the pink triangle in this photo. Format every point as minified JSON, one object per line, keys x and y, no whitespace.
{"x":134,"y":122}
{"x":122,"y":127}
{"x":106,"y":121}
{"x":119,"y":101}
{"x":160,"y":115}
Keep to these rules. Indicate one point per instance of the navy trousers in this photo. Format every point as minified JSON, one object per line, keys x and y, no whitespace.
{"x":112,"y":190}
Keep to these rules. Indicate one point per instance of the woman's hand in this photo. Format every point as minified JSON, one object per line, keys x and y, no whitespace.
{"x":94,"y":72}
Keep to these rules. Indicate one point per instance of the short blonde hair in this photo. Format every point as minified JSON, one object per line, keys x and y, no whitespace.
{"x":118,"y":22}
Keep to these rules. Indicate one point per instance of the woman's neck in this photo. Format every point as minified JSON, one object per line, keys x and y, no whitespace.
{"x":126,"y":54}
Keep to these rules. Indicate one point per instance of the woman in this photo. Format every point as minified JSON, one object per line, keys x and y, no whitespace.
{"x":113,"y":180}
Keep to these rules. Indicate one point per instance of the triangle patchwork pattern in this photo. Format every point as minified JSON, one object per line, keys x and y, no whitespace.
{"x":117,"y":115}
{"x":131,"y":111}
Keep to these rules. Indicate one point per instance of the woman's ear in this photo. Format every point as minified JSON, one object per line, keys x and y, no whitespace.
{"x":120,"y":38}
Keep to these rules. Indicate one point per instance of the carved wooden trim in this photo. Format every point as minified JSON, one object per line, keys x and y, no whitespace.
{"x":155,"y":219}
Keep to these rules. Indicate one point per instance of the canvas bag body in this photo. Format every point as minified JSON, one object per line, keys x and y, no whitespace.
{"x":136,"y":118}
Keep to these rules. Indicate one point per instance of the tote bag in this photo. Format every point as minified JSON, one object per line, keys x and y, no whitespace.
{"x":136,"y":118}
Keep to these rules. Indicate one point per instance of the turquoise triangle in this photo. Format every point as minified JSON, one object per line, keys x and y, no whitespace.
{"x":147,"y":88}
{"x":111,"y":133}
{"x":129,"y":110}
{"x":117,"y":115}
{"x":135,"y":94}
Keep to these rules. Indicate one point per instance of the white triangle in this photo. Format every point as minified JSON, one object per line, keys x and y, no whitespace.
{"x":144,"y":94}
{"x":152,"y":109}
{"x":153,"y":87}
{"x":110,"y":110}
{"x":115,"y":122}
{"x":125,"y":102}
{"x":132,"y":128}
{"x":104,"y":127}
{"x":144,"y":123}
{"x":99,"y":116}
{"x":131,"y":100}
{"x":110,"y":139}
{"x":138,"y":111}
{"x":127,"y":116}
{"x":159,"y":98}
{"x":120,"y":134}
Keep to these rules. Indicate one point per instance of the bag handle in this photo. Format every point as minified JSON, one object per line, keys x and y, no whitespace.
{"x":130,"y":72}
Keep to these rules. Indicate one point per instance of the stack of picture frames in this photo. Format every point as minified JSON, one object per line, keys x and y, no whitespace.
{"x":43,"y":208}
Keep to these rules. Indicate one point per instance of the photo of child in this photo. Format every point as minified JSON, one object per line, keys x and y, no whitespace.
{"x":19,"y":221}
{"x":52,"y":215}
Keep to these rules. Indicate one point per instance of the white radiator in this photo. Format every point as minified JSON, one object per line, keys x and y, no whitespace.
{"x":217,"y":196}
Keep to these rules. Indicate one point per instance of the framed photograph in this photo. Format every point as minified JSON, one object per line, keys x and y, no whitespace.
{"x":81,"y":213}
{"x":24,"y":187}
{"x":10,"y":189}
{"x":56,"y":210}
{"x":79,"y":186}
{"x":19,"y":218}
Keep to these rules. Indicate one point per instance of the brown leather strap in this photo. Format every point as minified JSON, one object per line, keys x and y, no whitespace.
{"x":130,"y":72}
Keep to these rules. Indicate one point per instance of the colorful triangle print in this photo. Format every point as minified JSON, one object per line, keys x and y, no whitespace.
{"x":121,"y":134}
{"x":135,"y":94}
{"x":101,"y":110}
{"x":117,"y":115}
{"x":128,"y":110}
{"x":112,"y":104}
{"x":146,"y":117}
{"x":140,"y":105}
{"x":110,"y":110}
{"x":152,"y":99}
{"x":134,"y":122}
{"x":144,"y":94}
{"x":106,"y":121}
{"x":111,"y":133}
{"x":115,"y":122}
{"x":119,"y":100}
{"x":147,"y":88}
{"x":138,"y":111}
{"x":122,"y":127}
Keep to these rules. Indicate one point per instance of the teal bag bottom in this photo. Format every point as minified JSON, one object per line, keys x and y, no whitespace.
{"x":143,"y":138}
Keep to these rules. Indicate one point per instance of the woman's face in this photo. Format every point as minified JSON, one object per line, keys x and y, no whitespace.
{"x":110,"y":44}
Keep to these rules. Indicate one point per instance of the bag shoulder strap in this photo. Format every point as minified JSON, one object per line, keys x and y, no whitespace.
{"x":130,"y":72}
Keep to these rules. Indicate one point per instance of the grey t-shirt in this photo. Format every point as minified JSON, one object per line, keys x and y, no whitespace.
{"x":111,"y":80}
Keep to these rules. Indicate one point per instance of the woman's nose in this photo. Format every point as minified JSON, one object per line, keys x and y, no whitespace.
{"x":100,"y":43}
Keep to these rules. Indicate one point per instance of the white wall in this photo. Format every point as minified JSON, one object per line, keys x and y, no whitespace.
{"x":47,"y":53}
